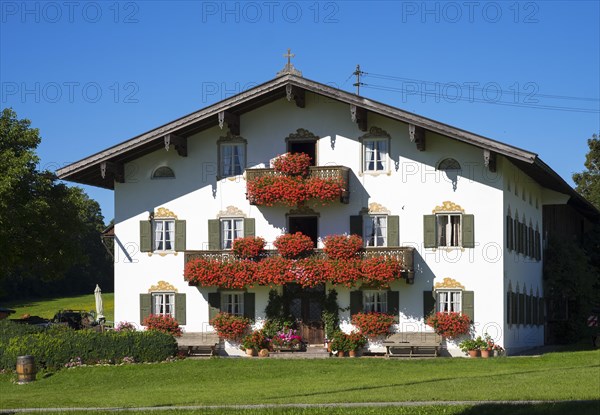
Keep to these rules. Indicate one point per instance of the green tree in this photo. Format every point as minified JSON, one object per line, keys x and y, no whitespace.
{"x":49,"y":233}
{"x":588,"y":181}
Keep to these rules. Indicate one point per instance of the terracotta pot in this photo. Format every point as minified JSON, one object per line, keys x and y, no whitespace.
{"x":341,"y":353}
{"x":474,"y":353}
{"x":263,"y":353}
{"x":250,"y":352}
{"x":487,"y":353}
{"x":352,"y":353}
{"x":329,"y":347}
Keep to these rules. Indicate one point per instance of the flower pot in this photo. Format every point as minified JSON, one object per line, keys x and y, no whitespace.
{"x":352,"y":353}
{"x":263,"y":353}
{"x":474,"y":353}
{"x":487,"y":353}
{"x":329,"y":347}
{"x":341,"y":353}
{"x":250,"y":352}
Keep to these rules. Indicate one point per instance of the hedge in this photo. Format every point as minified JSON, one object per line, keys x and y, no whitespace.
{"x":55,"y":347}
{"x":10,"y":329}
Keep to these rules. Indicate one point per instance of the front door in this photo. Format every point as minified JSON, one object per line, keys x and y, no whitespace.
{"x":305,"y":306}
{"x":308,"y":225}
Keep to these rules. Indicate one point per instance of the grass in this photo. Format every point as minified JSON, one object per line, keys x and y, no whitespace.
{"x":555,"y":376}
{"x":48,"y":307}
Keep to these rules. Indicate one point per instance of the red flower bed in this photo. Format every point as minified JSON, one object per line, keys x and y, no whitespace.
{"x":345,"y":272}
{"x":230,"y":327}
{"x":380,"y":270}
{"x":249,"y":247}
{"x":373,"y":324}
{"x":165,"y":324}
{"x":450,"y":324}
{"x":293,"y":164}
{"x":274,"y":271}
{"x":343,"y":246}
{"x":293,"y":246}
{"x":269,"y":190}
{"x":323,"y":190}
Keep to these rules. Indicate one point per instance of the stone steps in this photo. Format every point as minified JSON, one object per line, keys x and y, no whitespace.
{"x":312,"y":352}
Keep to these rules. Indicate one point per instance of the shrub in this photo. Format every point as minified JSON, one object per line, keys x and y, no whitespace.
{"x":340,"y":342}
{"x":230,"y":327}
{"x":449,"y":325}
{"x":293,"y":164}
{"x":163,"y":323}
{"x":54,"y":349}
{"x":10,"y":329}
{"x":292,"y":246}
{"x":250,"y":247}
{"x":343,"y":246}
{"x":373,"y":324}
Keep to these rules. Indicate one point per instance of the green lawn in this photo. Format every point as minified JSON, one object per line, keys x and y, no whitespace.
{"x":555,"y":376}
{"x":48,"y":307}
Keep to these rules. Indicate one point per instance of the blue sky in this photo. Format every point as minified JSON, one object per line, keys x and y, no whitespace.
{"x":93,"y":74}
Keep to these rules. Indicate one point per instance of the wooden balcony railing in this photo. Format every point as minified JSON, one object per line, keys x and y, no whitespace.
{"x":405,"y":254}
{"x":322,"y":172}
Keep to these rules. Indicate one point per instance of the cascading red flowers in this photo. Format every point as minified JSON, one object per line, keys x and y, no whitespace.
{"x":293,"y":185}
{"x":343,"y":266}
{"x":450,"y":325}
{"x":250,"y":247}
{"x":373,"y":324}
{"x":162,"y":323}
{"x":230,"y":327}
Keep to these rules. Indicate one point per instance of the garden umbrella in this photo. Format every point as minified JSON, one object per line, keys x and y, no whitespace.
{"x":99,"y":306}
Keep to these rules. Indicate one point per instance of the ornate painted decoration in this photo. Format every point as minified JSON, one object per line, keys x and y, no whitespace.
{"x":301,"y":135}
{"x":448,"y":206}
{"x":231,"y":138}
{"x":162,"y":212}
{"x":231,"y":212}
{"x":162,"y":286}
{"x":303,"y":210}
{"x":375,"y":209}
{"x":376,"y":132}
{"x":448,"y":283}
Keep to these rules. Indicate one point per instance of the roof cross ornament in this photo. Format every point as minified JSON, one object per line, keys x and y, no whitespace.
{"x":289,"y":67}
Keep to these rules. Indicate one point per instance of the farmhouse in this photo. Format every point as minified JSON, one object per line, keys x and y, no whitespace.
{"x":463,"y":215}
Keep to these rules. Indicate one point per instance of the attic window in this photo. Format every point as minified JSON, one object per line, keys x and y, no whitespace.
{"x":449,"y":164}
{"x":163,"y":172}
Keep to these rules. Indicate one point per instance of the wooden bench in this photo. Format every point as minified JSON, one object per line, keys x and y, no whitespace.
{"x":411,"y":344}
{"x":199,"y":344}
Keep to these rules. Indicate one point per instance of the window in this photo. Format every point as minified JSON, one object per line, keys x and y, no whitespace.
{"x":375,"y":230}
{"x":163,"y":304}
{"x":448,"y":229}
{"x":232,"y":302}
{"x":375,"y":154}
{"x":375,"y":301}
{"x":232,"y":159}
{"x":449,"y":301}
{"x":164,"y":235}
{"x":231,"y":229}
{"x":163,"y":172}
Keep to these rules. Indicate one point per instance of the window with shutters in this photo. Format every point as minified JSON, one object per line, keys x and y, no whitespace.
{"x":163,"y":304}
{"x":449,"y":229}
{"x":375,"y":151}
{"x":232,"y":302}
{"x":375,"y":301}
{"x":164,"y":234}
{"x":449,"y":301}
{"x":375,"y":230}
{"x":231,"y":229}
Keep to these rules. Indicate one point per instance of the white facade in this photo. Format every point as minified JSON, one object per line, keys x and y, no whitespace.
{"x":410,"y":188}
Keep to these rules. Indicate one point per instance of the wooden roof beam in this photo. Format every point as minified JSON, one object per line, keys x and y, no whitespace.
{"x":359,"y":116}
{"x":232,"y":120}
{"x":297,"y":94}
{"x":489,"y":160}
{"x":180,"y":144}
{"x":417,"y":136}
{"x":114,"y":170}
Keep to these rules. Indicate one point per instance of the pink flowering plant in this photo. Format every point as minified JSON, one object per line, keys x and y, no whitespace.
{"x":286,"y":339}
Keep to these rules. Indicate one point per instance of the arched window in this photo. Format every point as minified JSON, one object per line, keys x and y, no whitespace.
{"x":163,"y":172}
{"x":449,"y":164}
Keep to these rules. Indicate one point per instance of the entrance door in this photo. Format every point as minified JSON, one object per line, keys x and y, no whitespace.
{"x":308,"y":147}
{"x":308,"y":225}
{"x":306,"y":305}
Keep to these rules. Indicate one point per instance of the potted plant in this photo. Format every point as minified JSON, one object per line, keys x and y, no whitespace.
{"x":249,"y":247}
{"x":490,"y":347}
{"x":253,"y":342}
{"x":470,"y":346}
{"x":286,"y":340}
{"x":229,"y":326}
{"x":340,"y":343}
{"x":355,"y":341}
{"x":293,"y":246}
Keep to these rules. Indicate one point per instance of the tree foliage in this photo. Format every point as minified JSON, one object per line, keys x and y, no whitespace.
{"x":588,"y":181}
{"x":49,"y":232}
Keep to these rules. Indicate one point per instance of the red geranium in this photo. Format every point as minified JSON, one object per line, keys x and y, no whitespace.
{"x":162,"y":323}
{"x":294,"y":246}
{"x":293,"y":164}
{"x":373,"y":324}
{"x":230,"y":327}
{"x":342,"y":246}
{"x":250,"y":247}
{"x":450,"y":324}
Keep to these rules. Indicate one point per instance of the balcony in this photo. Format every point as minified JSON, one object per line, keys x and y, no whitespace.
{"x":405,"y":254}
{"x":340,"y":173}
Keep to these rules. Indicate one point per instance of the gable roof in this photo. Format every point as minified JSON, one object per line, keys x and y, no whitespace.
{"x":87,"y":170}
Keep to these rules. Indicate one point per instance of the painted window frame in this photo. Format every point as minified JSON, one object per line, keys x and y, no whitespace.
{"x":227,"y":243}
{"x":232,"y":302}
{"x":449,"y":300}
{"x":375,"y":301}
{"x":438,"y":234}
{"x":369,"y":221}
{"x":163,"y":304}
{"x":156,"y":244}
{"x":231,"y":141}
{"x":380,"y":157}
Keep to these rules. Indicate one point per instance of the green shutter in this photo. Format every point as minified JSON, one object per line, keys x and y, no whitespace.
{"x":145,"y":236}
{"x":145,"y":306}
{"x":468,"y":231}
{"x":508,"y":300}
{"x":214,"y":234}
{"x":356,"y":225}
{"x":429,"y":231}
{"x":249,"y":227}
{"x":535,"y":311}
{"x":180,"y":308}
{"x":528,"y":313}
{"x":356,"y":302}
{"x":180,"y":235}
{"x":393,"y":231}
{"x":214,"y":304}
{"x":514,"y":306}
{"x":249,"y":306}
{"x":509,"y":227}
{"x":541,"y":311}
{"x":521,"y":309}
{"x":393,"y":304}
{"x":538,"y":251}
{"x":428,"y":303}
{"x":515,"y":235}
{"x":468,"y":305}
